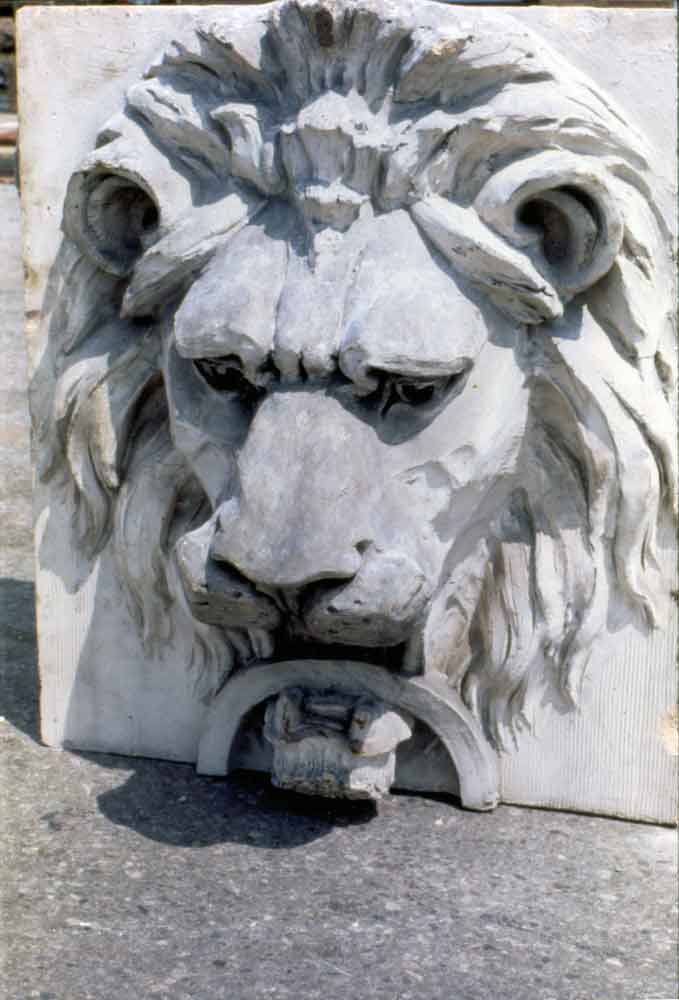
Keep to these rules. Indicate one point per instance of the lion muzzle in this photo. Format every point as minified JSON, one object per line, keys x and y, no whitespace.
{"x":298,"y":542}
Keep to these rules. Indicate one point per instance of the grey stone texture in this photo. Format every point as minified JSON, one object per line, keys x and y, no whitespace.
{"x":125,"y":879}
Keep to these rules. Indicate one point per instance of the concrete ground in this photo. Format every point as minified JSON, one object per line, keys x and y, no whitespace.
{"x":129,"y":879}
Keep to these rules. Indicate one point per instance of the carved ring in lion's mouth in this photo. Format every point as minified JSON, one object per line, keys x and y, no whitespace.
{"x":330,"y":742}
{"x":335,"y":726}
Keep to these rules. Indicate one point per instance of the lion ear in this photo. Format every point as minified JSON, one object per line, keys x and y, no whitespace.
{"x":558,"y":209}
{"x":109,"y":215}
{"x":122,"y":197}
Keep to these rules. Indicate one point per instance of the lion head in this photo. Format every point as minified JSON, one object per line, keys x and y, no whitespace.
{"x":362,"y":338}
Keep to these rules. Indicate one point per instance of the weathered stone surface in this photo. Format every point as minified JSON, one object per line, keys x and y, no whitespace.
{"x":358,"y":346}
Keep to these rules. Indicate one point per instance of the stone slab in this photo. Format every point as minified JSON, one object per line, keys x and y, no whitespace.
{"x":615,"y":755}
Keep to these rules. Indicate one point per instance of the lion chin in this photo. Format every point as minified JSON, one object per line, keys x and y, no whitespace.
{"x":371,"y":367}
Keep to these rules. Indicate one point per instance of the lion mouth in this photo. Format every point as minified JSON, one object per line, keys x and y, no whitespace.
{"x":373,"y":617}
{"x":288,"y":646}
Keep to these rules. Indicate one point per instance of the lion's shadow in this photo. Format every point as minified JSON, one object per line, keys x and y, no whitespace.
{"x":170,"y":804}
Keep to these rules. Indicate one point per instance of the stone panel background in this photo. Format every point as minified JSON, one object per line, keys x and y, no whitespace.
{"x":616,"y":756}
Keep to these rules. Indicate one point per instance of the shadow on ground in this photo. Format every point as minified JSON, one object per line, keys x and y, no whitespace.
{"x":18,"y":656}
{"x":171,"y":804}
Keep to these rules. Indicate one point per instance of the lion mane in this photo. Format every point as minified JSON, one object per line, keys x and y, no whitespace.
{"x":507,"y":134}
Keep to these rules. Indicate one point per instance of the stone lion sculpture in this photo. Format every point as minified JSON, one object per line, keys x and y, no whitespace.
{"x":362,"y":348}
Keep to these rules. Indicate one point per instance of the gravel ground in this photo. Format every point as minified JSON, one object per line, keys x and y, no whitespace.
{"x":134,"y":879}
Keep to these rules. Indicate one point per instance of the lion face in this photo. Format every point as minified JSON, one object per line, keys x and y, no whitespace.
{"x":362,"y":349}
{"x":348,"y":433}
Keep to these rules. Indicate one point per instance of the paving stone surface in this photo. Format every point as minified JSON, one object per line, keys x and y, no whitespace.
{"x":127,"y":879}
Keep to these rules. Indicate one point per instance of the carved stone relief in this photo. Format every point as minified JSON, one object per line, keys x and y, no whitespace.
{"x":361,"y":368}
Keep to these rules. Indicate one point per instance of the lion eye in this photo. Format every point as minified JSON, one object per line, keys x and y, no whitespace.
{"x":224,"y":375}
{"x":415,"y":392}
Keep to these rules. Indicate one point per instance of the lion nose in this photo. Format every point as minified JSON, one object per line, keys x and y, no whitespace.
{"x":301,"y":512}
{"x":287,"y":562}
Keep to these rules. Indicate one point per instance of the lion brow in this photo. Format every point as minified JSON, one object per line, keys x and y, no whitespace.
{"x":505,"y":274}
{"x":188,"y":246}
